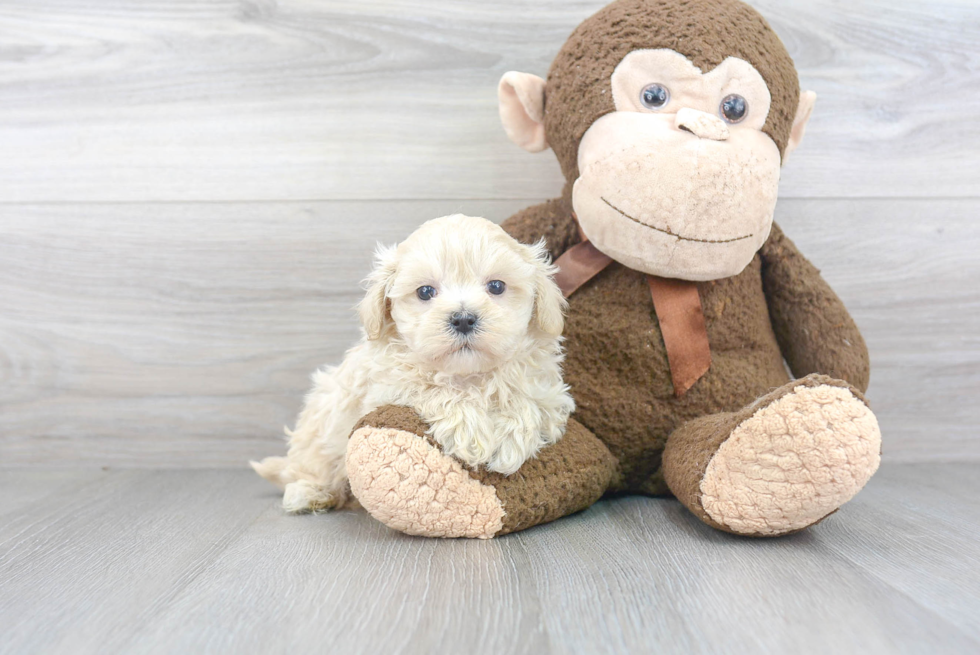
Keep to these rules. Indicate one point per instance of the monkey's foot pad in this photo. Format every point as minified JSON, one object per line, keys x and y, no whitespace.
{"x":792,"y":462}
{"x":411,"y":486}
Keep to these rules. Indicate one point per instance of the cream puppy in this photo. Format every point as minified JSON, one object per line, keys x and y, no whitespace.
{"x":461,"y":323}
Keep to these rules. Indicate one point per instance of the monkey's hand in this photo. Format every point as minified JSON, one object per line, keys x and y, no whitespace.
{"x":815,"y":332}
{"x":404,"y":480}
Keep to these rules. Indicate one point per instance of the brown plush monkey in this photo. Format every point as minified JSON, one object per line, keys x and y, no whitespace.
{"x":671,"y":119}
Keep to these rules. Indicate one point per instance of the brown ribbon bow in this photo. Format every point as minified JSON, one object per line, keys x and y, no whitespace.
{"x":676,"y":302}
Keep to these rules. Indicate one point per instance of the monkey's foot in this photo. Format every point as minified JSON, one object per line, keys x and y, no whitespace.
{"x":403,"y":479}
{"x":780,"y":465}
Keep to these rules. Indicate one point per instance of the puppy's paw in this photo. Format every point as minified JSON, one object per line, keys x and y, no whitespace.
{"x":305,"y":496}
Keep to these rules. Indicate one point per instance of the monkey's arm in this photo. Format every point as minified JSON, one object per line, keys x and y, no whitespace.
{"x":815,"y":332}
{"x":550,"y":220}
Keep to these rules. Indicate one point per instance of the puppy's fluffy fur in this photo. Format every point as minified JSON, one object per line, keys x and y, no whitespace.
{"x":493,"y":397}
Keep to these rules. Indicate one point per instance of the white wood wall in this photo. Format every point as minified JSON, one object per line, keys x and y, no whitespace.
{"x":190,"y":191}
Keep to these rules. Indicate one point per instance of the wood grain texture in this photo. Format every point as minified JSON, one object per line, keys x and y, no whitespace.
{"x":932,"y":523}
{"x":116,"y":546}
{"x":185,"y":334}
{"x":104,"y":100}
{"x":204,"y":561}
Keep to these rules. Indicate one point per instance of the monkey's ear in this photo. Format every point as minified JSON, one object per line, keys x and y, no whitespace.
{"x":373,"y":309}
{"x":521,"y":98}
{"x":803,"y":112}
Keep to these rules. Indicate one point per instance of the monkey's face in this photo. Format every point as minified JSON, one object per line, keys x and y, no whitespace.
{"x":673,"y":157}
{"x":679,"y":181}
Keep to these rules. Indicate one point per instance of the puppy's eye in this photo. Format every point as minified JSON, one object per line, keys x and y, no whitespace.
{"x":734,"y":108}
{"x":425,"y":293}
{"x":496,"y":287}
{"x":654,"y":96}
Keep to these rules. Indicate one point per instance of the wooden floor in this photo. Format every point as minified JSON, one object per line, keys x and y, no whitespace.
{"x":205,"y":561}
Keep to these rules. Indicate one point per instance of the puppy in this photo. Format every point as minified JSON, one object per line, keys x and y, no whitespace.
{"x":461,"y":323}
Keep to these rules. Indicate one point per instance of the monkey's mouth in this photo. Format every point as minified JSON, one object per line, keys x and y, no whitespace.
{"x":670,"y":233}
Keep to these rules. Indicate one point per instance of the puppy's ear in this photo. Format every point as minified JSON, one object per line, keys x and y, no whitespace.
{"x":373,"y":309}
{"x":549,"y":303}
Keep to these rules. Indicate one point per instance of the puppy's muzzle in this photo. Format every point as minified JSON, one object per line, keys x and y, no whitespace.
{"x":462,"y":322}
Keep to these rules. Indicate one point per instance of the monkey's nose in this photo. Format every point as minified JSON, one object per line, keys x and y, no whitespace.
{"x":701,"y":124}
{"x":462,"y":322}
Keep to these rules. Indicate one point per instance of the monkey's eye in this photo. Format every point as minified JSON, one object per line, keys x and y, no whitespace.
{"x":654,"y":96}
{"x":734,"y":108}
{"x":496,"y":287}
{"x":425,"y":293}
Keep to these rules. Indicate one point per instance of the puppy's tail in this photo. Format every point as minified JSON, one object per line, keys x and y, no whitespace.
{"x":275,"y":470}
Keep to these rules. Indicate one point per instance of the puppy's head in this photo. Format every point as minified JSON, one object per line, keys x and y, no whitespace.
{"x":463,"y":295}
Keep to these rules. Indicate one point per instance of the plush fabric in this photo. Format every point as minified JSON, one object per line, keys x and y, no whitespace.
{"x":706,"y":31}
{"x":405,"y":482}
{"x":562,"y":479}
{"x":698,"y":89}
{"x":616,"y":361}
{"x":400,"y":476}
{"x":658,"y":200}
{"x":779,"y":465}
{"x":527,"y":114}
{"x":703,"y":125}
{"x":746,"y":449}
{"x":816,"y":334}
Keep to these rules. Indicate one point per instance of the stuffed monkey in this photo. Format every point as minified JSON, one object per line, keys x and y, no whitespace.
{"x":687,"y":304}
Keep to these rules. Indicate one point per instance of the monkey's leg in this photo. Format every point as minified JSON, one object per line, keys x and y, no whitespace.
{"x":781,"y":464}
{"x":405,"y":481}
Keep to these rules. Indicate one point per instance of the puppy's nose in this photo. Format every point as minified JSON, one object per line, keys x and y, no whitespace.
{"x":462,"y":322}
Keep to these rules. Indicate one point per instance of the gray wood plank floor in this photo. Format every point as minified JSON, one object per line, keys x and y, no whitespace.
{"x":205,"y":561}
